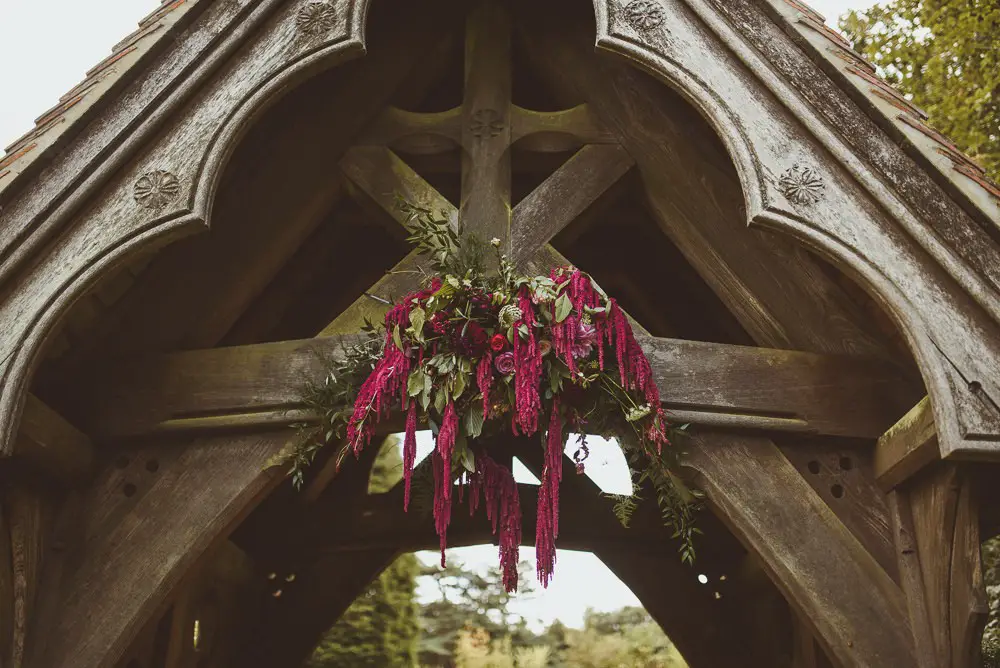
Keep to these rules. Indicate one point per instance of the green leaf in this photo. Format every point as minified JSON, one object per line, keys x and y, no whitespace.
{"x":425,"y":396}
{"x":440,"y":400}
{"x":396,"y":338}
{"x":563,"y":307}
{"x":474,"y":422}
{"x":458,"y":386}
{"x":468,"y":460}
{"x":415,"y":383}
{"x":417,"y":319}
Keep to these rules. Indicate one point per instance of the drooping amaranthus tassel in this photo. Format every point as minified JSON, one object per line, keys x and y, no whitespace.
{"x":386,"y":381}
{"x":484,"y":379}
{"x":528,"y":374}
{"x":503,"y":509}
{"x":547,"y":521}
{"x":409,"y":452}
{"x":636,"y":373}
{"x":446,"y":444}
{"x":442,"y":503}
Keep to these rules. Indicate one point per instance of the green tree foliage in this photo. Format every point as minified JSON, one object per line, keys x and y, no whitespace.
{"x":470,"y":600}
{"x":626,"y":637}
{"x":380,"y":629}
{"x":944,"y":54}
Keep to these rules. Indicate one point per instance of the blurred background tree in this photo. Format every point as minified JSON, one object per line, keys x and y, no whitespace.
{"x":944,"y":55}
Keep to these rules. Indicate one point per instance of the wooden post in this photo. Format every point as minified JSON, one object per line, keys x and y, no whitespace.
{"x":486,"y":115}
{"x":936,"y":523}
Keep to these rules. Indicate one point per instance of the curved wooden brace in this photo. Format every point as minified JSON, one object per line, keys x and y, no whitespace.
{"x":781,"y":149}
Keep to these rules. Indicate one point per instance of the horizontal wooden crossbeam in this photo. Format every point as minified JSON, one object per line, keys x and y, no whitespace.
{"x":908,"y":446}
{"x":50,"y":443}
{"x":256,"y":386}
{"x":380,"y":522}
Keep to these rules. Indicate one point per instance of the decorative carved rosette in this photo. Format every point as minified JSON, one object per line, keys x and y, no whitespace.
{"x":644,"y":14}
{"x":801,"y":185}
{"x":486,"y":123}
{"x":316,"y":19}
{"x":155,"y":189}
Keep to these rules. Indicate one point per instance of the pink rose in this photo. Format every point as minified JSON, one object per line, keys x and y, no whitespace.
{"x":505,"y":363}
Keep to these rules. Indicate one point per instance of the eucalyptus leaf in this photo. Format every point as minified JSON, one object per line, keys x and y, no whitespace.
{"x":415,"y":383}
{"x":563,"y":307}
{"x":418,"y":317}
{"x":396,"y":338}
{"x":474,"y":422}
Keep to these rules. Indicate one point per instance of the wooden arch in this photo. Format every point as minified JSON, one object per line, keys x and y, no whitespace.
{"x":147,"y":172}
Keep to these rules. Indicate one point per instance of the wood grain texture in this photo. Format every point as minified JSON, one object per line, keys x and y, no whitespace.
{"x":777,"y":292}
{"x":709,"y":630}
{"x":948,"y":588}
{"x":486,"y":120}
{"x":822,"y":394}
{"x":6,"y":586}
{"x":132,"y":562}
{"x":564,"y":196}
{"x":52,"y":444}
{"x":24,"y":510}
{"x":844,"y":479}
{"x":808,"y":552}
{"x":908,"y":446}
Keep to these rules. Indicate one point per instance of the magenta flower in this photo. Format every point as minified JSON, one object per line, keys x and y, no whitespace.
{"x":505,"y":363}
{"x":586,"y":338}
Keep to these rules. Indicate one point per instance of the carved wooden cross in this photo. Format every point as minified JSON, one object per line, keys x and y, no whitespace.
{"x":485,"y":127}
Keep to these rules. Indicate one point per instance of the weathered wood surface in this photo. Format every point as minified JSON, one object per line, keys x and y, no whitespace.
{"x":52,"y":444}
{"x":938,"y":544}
{"x":823,"y":394}
{"x":565,"y":195}
{"x":708,"y":630}
{"x":825,"y":573}
{"x":872,"y":240}
{"x":910,"y":445}
{"x":6,"y":585}
{"x":486,"y":124}
{"x":141,"y":549}
{"x":843,"y":478}
{"x":24,"y":507}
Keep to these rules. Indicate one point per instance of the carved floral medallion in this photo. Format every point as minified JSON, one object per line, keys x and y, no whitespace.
{"x":316,"y":18}
{"x":155,"y":189}
{"x":644,"y":14}
{"x":486,"y":123}
{"x":801,"y":185}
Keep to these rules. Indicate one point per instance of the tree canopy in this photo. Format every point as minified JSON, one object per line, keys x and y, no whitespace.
{"x":944,"y":55}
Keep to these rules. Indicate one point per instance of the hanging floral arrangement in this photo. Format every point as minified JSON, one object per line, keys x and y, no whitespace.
{"x":480,"y":353}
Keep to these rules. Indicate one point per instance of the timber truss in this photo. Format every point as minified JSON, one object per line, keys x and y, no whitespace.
{"x":141,"y":501}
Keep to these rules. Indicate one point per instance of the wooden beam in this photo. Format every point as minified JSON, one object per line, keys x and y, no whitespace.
{"x":148,"y":540}
{"x":24,"y":508}
{"x":708,"y":630}
{"x":908,"y":446}
{"x":939,"y":549}
{"x":751,"y":387}
{"x":486,"y":121}
{"x":47,"y":441}
{"x":851,"y":604}
{"x":565,"y":195}
{"x":780,"y":295}
{"x":556,"y":131}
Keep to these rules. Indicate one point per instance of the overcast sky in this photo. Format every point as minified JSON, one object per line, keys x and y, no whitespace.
{"x":49,"y":44}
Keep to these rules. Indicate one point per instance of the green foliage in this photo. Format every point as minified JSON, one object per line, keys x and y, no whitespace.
{"x":626,"y":637}
{"x":381,"y":628}
{"x":469,"y":599}
{"x":991,"y":578}
{"x":943,"y":54}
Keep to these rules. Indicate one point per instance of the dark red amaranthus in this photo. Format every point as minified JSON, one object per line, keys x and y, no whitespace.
{"x":595,"y":321}
{"x":503,"y":508}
